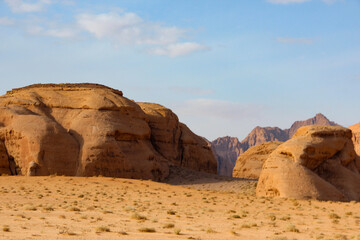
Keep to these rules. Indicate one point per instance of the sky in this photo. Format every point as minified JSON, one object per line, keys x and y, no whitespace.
{"x":223,"y":66}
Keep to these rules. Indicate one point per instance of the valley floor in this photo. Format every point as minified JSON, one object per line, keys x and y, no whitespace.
{"x":57,"y":207}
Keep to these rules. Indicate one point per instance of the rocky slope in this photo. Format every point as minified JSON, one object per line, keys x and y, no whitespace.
{"x":228,"y":151}
{"x":89,"y":130}
{"x":318,"y":162}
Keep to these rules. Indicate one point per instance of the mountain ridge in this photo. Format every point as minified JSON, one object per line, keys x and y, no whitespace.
{"x":225,"y":155}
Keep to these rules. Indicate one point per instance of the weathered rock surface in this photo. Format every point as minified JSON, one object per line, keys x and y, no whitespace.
{"x":356,"y":137}
{"x":175,"y":141}
{"x":89,"y":129}
{"x":318,"y":162}
{"x":226,"y":150}
{"x":249,"y":164}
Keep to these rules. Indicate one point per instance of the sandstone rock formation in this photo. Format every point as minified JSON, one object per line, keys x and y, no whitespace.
{"x":318,"y":162}
{"x":226,"y":150}
{"x":356,"y":137}
{"x":249,"y":164}
{"x":258,"y":136}
{"x":175,"y":141}
{"x":89,"y":130}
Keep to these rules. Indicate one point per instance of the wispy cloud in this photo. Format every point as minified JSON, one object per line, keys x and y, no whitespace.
{"x":125,"y":28}
{"x":191,"y":90}
{"x":6,"y":21}
{"x":219,"y":109}
{"x":178,"y":49}
{"x":129,"y":28}
{"x":27,"y":6}
{"x":289,"y":40}
{"x":298,"y":1}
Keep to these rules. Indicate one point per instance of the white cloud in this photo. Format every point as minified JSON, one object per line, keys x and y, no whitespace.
{"x":27,"y":6}
{"x":6,"y":21}
{"x":125,"y":28}
{"x":178,"y":49}
{"x":297,"y":1}
{"x":219,"y":109}
{"x":295,"y":40}
{"x":128,"y":28}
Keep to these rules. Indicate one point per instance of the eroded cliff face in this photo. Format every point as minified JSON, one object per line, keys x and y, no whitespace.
{"x":318,"y":162}
{"x":89,"y":129}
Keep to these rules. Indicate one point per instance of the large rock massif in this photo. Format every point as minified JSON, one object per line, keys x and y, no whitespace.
{"x":257,"y":136}
{"x":249,"y":164}
{"x":89,"y":130}
{"x":318,"y":162}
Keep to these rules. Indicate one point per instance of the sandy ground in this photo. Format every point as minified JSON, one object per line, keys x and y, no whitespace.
{"x":206,"y":208}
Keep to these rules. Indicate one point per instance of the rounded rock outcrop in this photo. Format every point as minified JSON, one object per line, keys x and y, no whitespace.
{"x":249,"y":164}
{"x":318,"y":162}
{"x":81,"y":130}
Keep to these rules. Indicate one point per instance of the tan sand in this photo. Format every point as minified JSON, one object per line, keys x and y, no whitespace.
{"x":107,"y":208}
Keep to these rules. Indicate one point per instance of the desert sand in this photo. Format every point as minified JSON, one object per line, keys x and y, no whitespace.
{"x":200,"y":207}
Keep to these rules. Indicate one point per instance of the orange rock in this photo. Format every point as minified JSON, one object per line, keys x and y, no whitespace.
{"x":356,"y":137}
{"x":81,"y":130}
{"x":318,"y":162}
{"x":227,"y":149}
{"x":249,"y":164}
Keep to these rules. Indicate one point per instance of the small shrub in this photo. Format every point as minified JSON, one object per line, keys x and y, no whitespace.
{"x":177,"y":231}
{"x":138,"y":217}
{"x":210,"y":230}
{"x":235,"y":216}
{"x":74,"y":209}
{"x":334,"y":216}
{"x":169,"y":225}
{"x":171,"y":212}
{"x":6,"y":229}
{"x":292,"y":228}
{"x":102,"y":229}
{"x":147,"y":230}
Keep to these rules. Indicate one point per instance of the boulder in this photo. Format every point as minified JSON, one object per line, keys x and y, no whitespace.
{"x":318,"y":162}
{"x":83,"y":130}
{"x":249,"y":164}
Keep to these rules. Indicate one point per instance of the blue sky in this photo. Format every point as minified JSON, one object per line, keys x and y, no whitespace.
{"x":224,"y":67}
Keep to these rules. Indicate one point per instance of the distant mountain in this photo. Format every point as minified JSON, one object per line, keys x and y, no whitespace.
{"x":227,"y":149}
{"x":319,"y":119}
